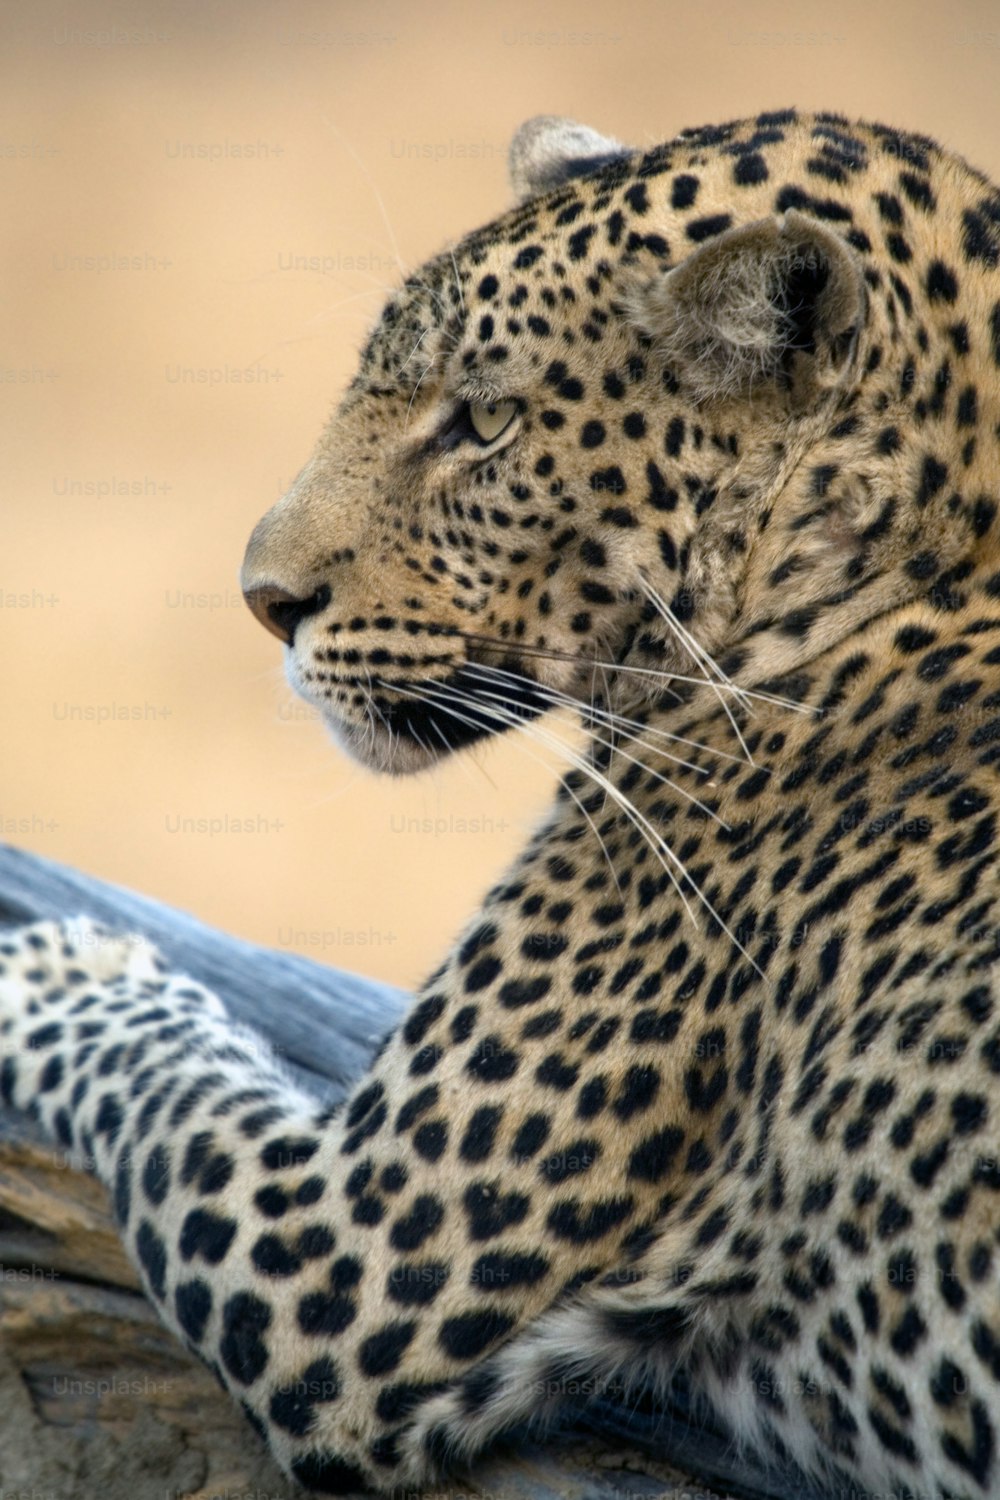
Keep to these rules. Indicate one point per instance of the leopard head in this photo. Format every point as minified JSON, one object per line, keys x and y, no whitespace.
{"x":564,"y":441}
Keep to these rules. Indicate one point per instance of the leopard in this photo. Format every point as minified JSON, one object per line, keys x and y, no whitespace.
{"x":700,"y":443}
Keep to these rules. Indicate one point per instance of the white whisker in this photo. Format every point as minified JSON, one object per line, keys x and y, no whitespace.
{"x":697,"y":652}
{"x":458,"y":280}
{"x":615,"y":720}
{"x":366,"y":173}
{"x":413,"y":396}
{"x":655,"y":841}
{"x":512,"y":721}
{"x":657,"y":775}
{"x":629,"y":669}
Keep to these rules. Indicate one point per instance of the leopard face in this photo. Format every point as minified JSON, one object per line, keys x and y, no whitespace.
{"x":552,"y":427}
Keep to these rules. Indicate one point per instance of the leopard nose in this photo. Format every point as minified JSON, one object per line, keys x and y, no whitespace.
{"x":281,"y":612}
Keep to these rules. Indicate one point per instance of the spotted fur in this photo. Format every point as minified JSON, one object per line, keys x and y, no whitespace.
{"x":713,"y":1077}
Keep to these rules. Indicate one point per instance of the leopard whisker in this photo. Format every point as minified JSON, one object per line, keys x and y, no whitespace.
{"x":413,"y":394}
{"x":699,"y":654}
{"x":458,"y":279}
{"x":531,"y":732}
{"x":373,"y":187}
{"x":629,"y":668}
{"x":657,"y":775}
{"x":616,"y":721}
{"x":655,"y":840}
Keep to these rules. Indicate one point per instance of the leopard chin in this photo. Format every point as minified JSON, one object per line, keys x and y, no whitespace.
{"x":404,"y":728}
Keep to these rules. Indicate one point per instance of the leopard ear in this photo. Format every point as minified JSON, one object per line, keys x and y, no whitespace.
{"x":777,"y":305}
{"x":549,"y":150}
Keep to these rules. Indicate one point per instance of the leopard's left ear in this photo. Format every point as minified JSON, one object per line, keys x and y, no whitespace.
{"x":549,"y":150}
{"x":776,"y":307}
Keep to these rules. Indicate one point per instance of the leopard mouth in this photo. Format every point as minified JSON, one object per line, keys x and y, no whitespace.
{"x":468,"y":705}
{"x":402,"y":724}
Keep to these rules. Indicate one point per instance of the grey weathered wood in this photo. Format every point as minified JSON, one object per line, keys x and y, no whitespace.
{"x":96,"y":1397}
{"x":260,"y":986}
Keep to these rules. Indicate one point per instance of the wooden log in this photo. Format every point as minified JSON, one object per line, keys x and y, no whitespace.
{"x":98,"y":1401}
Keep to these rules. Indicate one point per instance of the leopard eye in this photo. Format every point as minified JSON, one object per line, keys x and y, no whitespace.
{"x":490,"y":418}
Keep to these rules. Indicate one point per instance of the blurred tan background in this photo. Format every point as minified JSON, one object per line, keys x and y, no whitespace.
{"x":202,"y":206}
